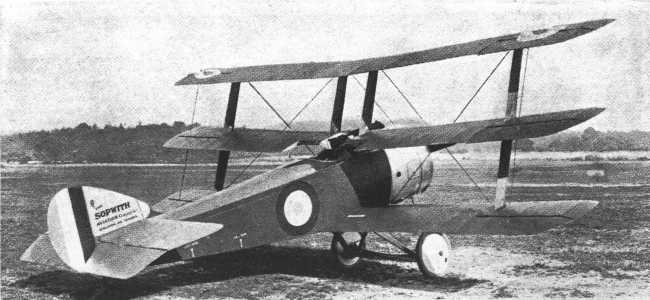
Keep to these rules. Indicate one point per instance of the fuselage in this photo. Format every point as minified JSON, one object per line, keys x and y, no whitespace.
{"x":272,"y":200}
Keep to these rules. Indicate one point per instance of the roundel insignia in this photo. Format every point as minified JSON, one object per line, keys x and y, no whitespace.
{"x":297,"y":208}
{"x":528,"y":36}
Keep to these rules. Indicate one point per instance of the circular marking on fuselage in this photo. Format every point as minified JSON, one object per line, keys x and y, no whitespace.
{"x":297,"y":208}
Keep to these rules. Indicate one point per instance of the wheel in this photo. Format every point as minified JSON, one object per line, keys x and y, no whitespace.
{"x":432,"y":254}
{"x":344,"y":255}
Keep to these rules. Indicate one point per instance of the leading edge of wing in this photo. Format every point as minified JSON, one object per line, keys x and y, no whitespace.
{"x":530,"y":126}
{"x":312,"y":70}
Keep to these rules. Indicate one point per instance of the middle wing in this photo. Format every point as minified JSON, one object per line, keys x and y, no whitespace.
{"x":262,"y":140}
{"x":242,"y":139}
{"x":530,"y":126}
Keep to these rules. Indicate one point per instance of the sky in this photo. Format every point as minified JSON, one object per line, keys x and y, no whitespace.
{"x":115,"y":62}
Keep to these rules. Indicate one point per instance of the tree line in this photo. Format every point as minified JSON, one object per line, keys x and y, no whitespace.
{"x":143,"y":144}
{"x":110,"y":144}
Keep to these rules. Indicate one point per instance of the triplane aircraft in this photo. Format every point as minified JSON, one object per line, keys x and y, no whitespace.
{"x":354,"y":186}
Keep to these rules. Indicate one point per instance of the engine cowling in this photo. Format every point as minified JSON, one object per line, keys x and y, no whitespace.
{"x":385,"y":177}
{"x":412,"y":170}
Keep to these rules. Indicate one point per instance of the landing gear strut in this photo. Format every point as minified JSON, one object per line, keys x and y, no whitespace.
{"x":431,"y":252}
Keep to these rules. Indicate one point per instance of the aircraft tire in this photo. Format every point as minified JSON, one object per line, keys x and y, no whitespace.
{"x":346,"y":260}
{"x":432,"y":254}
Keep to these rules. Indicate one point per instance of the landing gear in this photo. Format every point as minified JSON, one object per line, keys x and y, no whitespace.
{"x":432,"y":254}
{"x":347,"y":247}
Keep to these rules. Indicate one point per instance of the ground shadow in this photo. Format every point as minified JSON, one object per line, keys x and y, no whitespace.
{"x":233,"y":266}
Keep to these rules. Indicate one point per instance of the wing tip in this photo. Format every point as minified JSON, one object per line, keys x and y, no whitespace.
{"x":187,"y":80}
{"x":603,"y":22}
{"x":170,"y":143}
{"x":592,"y":25}
{"x":592,"y":112}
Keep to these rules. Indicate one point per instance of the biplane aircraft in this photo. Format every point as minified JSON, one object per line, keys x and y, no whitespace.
{"x":355,"y":185}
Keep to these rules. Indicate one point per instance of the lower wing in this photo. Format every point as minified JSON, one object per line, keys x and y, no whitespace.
{"x":517,"y":218}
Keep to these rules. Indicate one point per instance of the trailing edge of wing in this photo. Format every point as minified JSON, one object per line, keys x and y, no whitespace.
{"x":242,"y":139}
{"x":311,"y":70}
{"x":530,"y":126}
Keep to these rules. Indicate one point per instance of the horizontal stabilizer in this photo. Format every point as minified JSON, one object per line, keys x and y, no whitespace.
{"x":102,"y":232}
{"x":41,"y":252}
{"x":243,"y":139}
{"x":180,"y":198}
{"x":157,"y":233}
{"x":530,"y":126}
{"x":126,"y":251}
{"x":311,"y":70}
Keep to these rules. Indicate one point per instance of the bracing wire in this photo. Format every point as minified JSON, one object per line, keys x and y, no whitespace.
{"x":421,"y":118}
{"x":376,"y":103}
{"x":448,"y":151}
{"x":309,"y":102}
{"x":414,"y":172}
{"x":480,"y":87}
{"x":187,"y":151}
{"x":478,"y":188}
{"x":403,"y":95}
{"x":269,"y":105}
{"x":257,"y":155}
{"x":288,"y":126}
{"x":468,"y":176}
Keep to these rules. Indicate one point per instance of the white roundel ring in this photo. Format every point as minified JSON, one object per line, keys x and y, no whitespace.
{"x":297,"y":208}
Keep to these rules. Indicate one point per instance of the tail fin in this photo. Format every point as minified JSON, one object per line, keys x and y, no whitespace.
{"x":77,"y":215}
{"x":101,"y":232}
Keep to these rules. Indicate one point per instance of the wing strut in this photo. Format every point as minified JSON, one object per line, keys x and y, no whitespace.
{"x":369,"y":99}
{"x":503,"y":178}
{"x":229,"y":122}
{"x":339,"y":101}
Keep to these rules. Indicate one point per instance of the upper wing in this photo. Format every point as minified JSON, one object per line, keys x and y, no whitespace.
{"x":477,"y":131}
{"x":310,"y":70}
{"x":242,"y":139}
